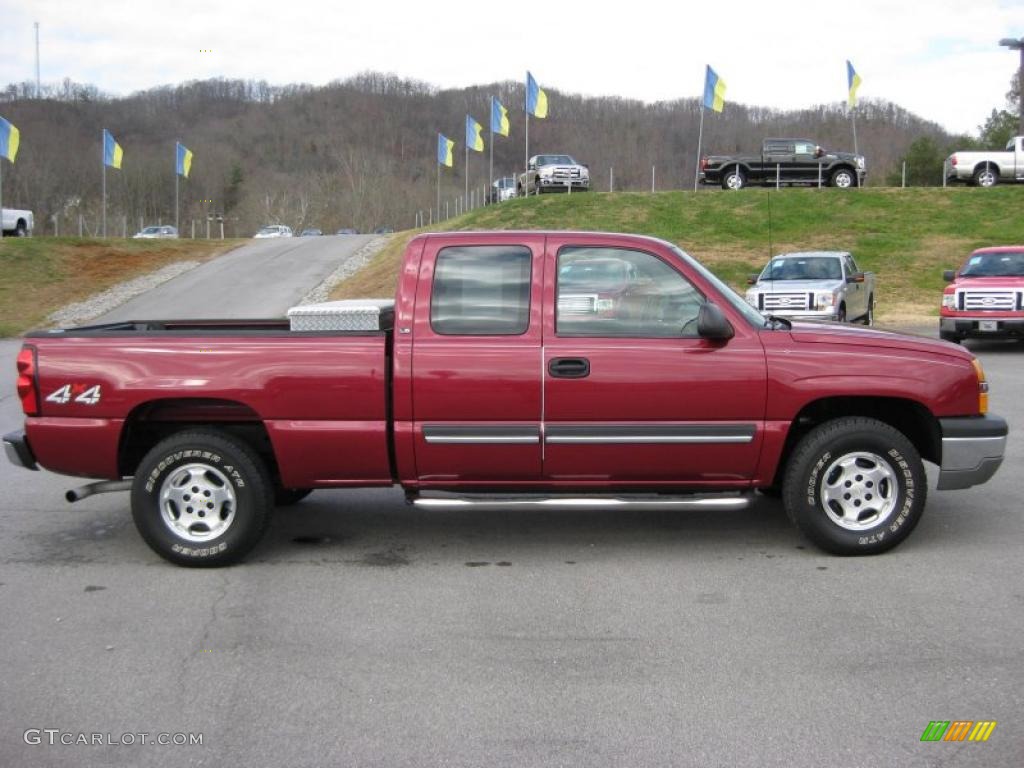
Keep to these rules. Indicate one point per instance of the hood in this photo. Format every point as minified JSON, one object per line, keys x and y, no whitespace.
{"x":840,"y":333}
{"x":986,"y":283}
{"x":851,"y":156}
{"x":796,"y":286}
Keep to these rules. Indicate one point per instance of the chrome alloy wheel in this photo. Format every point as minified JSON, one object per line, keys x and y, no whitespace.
{"x":859,"y":491}
{"x":733,"y":180}
{"x":844,"y":179}
{"x":986,"y":178}
{"x":197,"y":502}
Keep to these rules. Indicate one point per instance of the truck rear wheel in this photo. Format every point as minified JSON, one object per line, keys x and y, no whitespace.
{"x":202,"y":498}
{"x":986,"y":176}
{"x":855,"y":486}
{"x":734,"y":179}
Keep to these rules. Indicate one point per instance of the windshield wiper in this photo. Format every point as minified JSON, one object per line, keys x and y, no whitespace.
{"x":774,"y":322}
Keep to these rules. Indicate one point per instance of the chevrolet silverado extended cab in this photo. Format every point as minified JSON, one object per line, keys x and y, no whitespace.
{"x":818,"y":285}
{"x":985,"y":298}
{"x":785,"y":161}
{"x":986,"y":169}
{"x":512,"y":369}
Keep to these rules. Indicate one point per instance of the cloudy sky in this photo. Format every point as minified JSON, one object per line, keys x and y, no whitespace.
{"x":938,"y":58}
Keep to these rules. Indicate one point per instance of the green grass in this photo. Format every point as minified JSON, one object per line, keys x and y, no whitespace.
{"x":39,"y":275}
{"x":906,"y":236}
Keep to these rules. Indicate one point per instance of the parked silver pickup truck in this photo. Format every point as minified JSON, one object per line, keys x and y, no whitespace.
{"x":553,"y":173}
{"x":986,"y":169}
{"x":817,"y":285}
{"x":16,"y":222}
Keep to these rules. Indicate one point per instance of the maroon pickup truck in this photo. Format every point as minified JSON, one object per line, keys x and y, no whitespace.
{"x":516,"y":369}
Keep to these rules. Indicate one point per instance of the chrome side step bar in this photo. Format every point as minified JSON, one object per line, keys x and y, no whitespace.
{"x":715,"y":502}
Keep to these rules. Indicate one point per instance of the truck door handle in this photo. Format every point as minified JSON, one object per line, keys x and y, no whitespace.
{"x":569,"y":367}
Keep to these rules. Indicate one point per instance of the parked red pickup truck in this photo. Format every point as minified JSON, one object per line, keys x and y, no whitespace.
{"x":985,"y":298}
{"x":492,"y":385}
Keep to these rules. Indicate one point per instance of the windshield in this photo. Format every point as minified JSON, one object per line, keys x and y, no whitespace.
{"x":803,"y":268}
{"x":268,"y":230}
{"x":151,"y":231}
{"x":995,"y":265}
{"x":555,"y":160}
{"x":754,"y":317}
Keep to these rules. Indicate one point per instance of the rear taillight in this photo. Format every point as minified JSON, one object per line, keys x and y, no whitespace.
{"x":704,"y":163}
{"x":952,"y":161}
{"x":27,"y":389}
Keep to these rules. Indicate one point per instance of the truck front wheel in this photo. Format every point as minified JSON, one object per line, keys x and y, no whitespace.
{"x":843,"y":178}
{"x":855,"y":486}
{"x":202,"y":498}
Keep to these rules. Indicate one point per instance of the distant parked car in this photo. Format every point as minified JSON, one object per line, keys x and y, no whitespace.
{"x":311,"y":232}
{"x":383,"y":231}
{"x":986,"y":169}
{"x":16,"y":222}
{"x":148,"y":233}
{"x":986,"y":296}
{"x":502,"y":189}
{"x":274,"y":230}
{"x":347,"y":231}
{"x":820,"y":285}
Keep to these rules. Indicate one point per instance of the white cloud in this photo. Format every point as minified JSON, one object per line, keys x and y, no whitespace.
{"x":939,"y":58}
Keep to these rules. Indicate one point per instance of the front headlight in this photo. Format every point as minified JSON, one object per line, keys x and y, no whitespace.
{"x":860,"y":163}
{"x":752,"y":298}
{"x":824,"y":301}
{"x":949,"y":301}
{"x":546,"y":172}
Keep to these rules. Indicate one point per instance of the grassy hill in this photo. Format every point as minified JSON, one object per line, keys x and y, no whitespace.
{"x":43,"y":274}
{"x":905,"y":236}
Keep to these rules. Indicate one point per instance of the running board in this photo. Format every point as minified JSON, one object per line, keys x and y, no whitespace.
{"x":713,"y":502}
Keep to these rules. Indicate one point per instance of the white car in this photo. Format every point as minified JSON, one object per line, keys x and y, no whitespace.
{"x":274,"y":230}
{"x":148,"y":233}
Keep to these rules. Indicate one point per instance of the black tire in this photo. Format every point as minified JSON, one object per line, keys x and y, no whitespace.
{"x":227,"y":473}
{"x":734,"y":179}
{"x":869,"y":316}
{"x":841,"y":315}
{"x":843,"y":178}
{"x":285,"y":497}
{"x":986,"y":176}
{"x":21,"y":230}
{"x":892,"y":485}
{"x":948,"y":336}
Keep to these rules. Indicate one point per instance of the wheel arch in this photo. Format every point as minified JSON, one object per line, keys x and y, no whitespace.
{"x":908,"y":416}
{"x":985,"y":165}
{"x":843,"y":167}
{"x":154,"y":420}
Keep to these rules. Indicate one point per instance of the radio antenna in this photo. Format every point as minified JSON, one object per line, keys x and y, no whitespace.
{"x":769,"y":193}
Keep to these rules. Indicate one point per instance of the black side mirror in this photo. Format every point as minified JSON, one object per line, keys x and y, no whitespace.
{"x":819,"y":152}
{"x":752,"y":280}
{"x":712,"y":323}
{"x":949,"y":275}
{"x":856,"y":277}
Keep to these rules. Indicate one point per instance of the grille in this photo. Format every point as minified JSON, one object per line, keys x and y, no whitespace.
{"x":989,"y":300}
{"x":576,"y":305}
{"x":566,"y":173}
{"x":786,"y":301}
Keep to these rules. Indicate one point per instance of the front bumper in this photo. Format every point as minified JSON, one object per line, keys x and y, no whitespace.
{"x":972,"y":450}
{"x":18,"y":450}
{"x":982,"y":327}
{"x":553,"y":183}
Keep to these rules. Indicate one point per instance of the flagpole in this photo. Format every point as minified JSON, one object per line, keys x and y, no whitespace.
{"x":103,"y":161}
{"x":700,"y":139}
{"x":175,"y":188}
{"x":465,"y":199}
{"x":490,"y":167}
{"x":526,"y":160}
{"x":1,"y":197}
{"x":439,"y":192}
{"x":853,"y":122}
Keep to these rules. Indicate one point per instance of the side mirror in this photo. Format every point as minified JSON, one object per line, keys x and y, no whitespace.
{"x":752,"y":280}
{"x":949,"y":275}
{"x":856,"y":277}
{"x":819,"y":152}
{"x":532,"y":167}
{"x":712,"y":323}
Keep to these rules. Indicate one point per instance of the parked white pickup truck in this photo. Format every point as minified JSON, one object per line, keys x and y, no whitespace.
{"x":818,"y":285}
{"x":16,"y":222}
{"x":986,"y":169}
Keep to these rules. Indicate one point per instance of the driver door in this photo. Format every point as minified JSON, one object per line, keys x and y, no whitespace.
{"x":632,"y":395}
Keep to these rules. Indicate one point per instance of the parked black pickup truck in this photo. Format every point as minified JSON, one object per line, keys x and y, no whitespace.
{"x":785,"y":161}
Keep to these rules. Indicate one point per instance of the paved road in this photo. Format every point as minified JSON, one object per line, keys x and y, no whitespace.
{"x":363,"y":633}
{"x":261,"y":279}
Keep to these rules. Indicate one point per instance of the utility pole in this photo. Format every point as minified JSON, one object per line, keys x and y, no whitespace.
{"x":1018,"y":45}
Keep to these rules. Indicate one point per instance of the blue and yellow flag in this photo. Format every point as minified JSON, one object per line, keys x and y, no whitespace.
{"x":536,"y":99}
{"x":474,"y":140}
{"x":112,"y":152}
{"x":183,"y":157}
{"x":714,"y":91}
{"x":853,"y":82}
{"x":499,"y":118}
{"x":10,"y":138}
{"x":444,"y":150}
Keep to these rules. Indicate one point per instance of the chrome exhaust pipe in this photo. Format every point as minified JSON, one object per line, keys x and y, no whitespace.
{"x":104,"y":486}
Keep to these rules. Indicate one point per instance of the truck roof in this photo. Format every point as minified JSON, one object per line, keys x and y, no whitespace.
{"x":804,"y":254}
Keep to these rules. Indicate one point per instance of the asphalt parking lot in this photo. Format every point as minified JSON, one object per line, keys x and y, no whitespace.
{"x":365,"y":633}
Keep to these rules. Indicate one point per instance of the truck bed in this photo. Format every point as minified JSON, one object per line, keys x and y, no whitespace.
{"x":321,"y":397}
